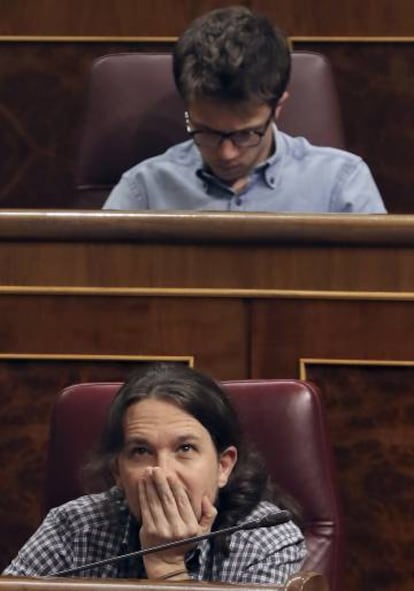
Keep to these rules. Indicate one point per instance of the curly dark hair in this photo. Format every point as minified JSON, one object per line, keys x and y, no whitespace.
{"x":232,"y":54}
{"x":201,"y":397}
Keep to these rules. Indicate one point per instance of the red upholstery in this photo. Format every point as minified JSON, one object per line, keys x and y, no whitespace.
{"x":283,"y":417}
{"x":134,"y":112}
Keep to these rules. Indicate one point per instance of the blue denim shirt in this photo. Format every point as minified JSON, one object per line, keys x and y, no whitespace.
{"x":298,"y":177}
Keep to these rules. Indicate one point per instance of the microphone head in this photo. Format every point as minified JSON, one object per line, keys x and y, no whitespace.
{"x":270,"y":520}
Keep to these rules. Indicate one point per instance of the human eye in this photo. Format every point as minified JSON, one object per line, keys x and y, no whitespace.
{"x":187,"y":448}
{"x":136,"y":450}
{"x":242,"y":138}
{"x":206,"y":138}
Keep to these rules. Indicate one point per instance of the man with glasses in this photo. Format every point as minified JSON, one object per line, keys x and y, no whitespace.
{"x":232,"y":68}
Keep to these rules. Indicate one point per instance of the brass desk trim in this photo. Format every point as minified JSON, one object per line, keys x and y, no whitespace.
{"x":90,"y":357}
{"x":304,"y":362}
{"x":172,"y":39}
{"x":66,"y":290}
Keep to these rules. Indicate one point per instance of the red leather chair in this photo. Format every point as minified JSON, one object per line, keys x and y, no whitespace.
{"x":134,"y":112}
{"x":283,"y":417}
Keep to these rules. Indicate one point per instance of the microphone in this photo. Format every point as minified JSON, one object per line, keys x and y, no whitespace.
{"x":268,"y":521}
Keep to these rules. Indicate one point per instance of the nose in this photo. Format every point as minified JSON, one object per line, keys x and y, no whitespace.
{"x":166,"y":462}
{"x":227,"y":150}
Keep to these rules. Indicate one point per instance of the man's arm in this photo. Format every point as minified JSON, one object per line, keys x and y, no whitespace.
{"x":356,"y":191}
{"x":264,"y":556}
{"x":126,"y":195}
{"x":47,"y":551}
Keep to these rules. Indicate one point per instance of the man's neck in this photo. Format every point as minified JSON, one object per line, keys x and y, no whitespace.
{"x":239,"y":185}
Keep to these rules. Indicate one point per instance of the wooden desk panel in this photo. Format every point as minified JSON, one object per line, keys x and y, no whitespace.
{"x":85,"y":296}
{"x":304,"y":581}
{"x":216,"y":251}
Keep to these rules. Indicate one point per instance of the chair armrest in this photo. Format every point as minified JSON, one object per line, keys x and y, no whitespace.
{"x":306,"y":581}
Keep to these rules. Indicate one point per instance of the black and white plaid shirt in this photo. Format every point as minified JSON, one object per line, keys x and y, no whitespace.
{"x":95,"y":527}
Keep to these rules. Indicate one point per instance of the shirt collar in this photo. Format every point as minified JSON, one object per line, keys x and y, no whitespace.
{"x":129,"y":533}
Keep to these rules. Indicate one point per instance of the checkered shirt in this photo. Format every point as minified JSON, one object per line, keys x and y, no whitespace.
{"x":95,"y":527}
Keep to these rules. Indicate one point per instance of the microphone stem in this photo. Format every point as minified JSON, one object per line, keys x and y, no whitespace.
{"x":166,"y":546}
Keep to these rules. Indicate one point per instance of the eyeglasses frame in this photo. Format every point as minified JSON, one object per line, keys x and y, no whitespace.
{"x":223,"y":135}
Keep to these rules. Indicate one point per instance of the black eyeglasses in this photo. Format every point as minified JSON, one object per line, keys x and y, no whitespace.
{"x":248,"y":138}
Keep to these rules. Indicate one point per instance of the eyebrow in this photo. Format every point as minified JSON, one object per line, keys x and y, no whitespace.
{"x":180,"y":439}
{"x":135,"y":439}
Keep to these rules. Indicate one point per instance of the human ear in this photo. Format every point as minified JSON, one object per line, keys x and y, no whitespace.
{"x":280,"y":104}
{"x":226,"y":462}
{"x":115,"y":472}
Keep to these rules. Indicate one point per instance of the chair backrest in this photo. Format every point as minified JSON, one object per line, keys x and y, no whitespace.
{"x":284,"y":418}
{"x":134,"y":112}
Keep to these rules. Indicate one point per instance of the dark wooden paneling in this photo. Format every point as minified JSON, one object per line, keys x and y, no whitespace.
{"x":210,"y":330}
{"x":291,"y":329}
{"x":170,"y":17}
{"x":371,"y":418}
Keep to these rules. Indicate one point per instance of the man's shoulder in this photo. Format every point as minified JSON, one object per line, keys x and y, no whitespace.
{"x":299,"y":148}
{"x":167,"y":181}
{"x":183,"y":155}
{"x":86,"y":511}
{"x":329,"y":179}
{"x":268,"y":539}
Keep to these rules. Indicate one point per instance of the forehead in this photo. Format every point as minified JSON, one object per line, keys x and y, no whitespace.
{"x":155,"y":415}
{"x":227,"y":116}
